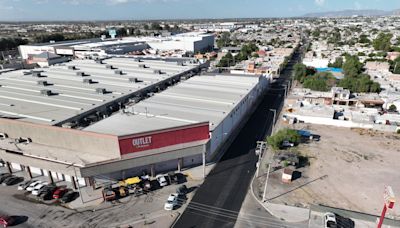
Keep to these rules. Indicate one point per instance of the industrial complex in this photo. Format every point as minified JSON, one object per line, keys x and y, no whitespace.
{"x":85,"y":121}
{"x":192,"y":42}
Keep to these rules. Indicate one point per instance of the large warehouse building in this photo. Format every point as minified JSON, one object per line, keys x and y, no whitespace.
{"x":58,"y":124}
{"x":190,"y":42}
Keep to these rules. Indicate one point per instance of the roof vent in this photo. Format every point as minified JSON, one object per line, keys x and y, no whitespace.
{"x":42,"y":83}
{"x":87,"y":81}
{"x":72,"y":68}
{"x":46,"y":92}
{"x":134,"y":80}
{"x":101,"y":90}
{"x":80,"y":73}
{"x":23,"y":140}
{"x":37,"y":74}
{"x":119,"y":72}
{"x":3,"y":136}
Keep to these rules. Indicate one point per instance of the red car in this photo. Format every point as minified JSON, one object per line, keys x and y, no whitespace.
{"x":59,"y":193}
{"x":6,"y":220}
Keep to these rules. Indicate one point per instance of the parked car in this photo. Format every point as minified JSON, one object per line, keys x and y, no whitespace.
{"x":13,"y":180}
{"x":58,"y":193}
{"x":33,"y":185}
{"x":172,"y":202}
{"x":39,"y":187}
{"x":4,"y":176}
{"x":69,"y":196}
{"x":287,"y":144}
{"x":330,"y":220}
{"x":47,"y":189}
{"x":24,"y":185}
{"x":182,"y":190}
{"x":4,"y":181}
{"x":162,"y":180}
{"x":6,"y":220}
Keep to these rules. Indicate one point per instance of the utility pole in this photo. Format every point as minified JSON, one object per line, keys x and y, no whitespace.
{"x":261,"y":147}
{"x":266,"y":183}
{"x":273,"y":121}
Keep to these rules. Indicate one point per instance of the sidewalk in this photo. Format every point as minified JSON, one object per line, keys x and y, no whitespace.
{"x":287,"y":213}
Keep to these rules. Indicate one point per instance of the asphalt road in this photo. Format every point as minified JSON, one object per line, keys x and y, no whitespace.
{"x":218,"y":201}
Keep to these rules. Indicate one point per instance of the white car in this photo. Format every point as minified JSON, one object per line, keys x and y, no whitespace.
{"x":38,"y":187}
{"x":24,"y":185}
{"x":287,"y":144}
{"x":330,"y":220}
{"x":161,"y":179}
{"x":33,"y":185}
{"x":172,"y":201}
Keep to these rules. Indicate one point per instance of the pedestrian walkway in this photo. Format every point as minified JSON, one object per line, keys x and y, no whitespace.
{"x":287,"y":213}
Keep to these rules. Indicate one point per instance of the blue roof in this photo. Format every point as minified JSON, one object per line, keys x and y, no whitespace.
{"x":304,"y":133}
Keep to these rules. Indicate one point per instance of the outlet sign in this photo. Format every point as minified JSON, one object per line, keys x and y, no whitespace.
{"x":141,"y":142}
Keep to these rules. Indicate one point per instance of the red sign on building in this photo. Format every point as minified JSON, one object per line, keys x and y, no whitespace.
{"x":163,"y":138}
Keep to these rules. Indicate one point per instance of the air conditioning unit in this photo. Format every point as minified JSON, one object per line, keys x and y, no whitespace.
{"x":45,"y":92}
{"x":119,"y":72}
{"x":37,"y":74}
{"x":110,"y":67}
{"x":87,"y":81}
{"x":133,"y":80}
{"x":3,"y":136}
{"x":157,"y":72}
{"x":80,"y":73}
{"x":142,"y":66}
{"x":101,"y":90}
{"x":23,"y":140}
{"x":42,"y":83}
{"x":99,"y":61}
{"x":72,"y":67}
{"x":180,"y":64}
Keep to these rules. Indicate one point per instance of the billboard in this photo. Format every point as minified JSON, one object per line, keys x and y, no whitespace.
{"x":163,"y":138}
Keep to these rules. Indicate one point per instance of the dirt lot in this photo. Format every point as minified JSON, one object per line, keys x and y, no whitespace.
{"x":348,"y":169}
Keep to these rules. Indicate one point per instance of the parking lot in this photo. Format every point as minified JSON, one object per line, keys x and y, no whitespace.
{"x":145,"y":210}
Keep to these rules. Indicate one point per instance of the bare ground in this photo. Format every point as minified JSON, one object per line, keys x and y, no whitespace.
{"x":348,"y":169}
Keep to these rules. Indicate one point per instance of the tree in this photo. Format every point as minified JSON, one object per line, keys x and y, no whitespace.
{"x":360,"y":84}
{"x":224,"y":40}
{"x":300,"y":71}
{"x":286,"y":134}
{"x":337,"y":64}
{"x":393,"y":108}
{"x":364,"y":39}
{"x":322,"y":81}
{"x":352,"y":67}
{"x":382,"y":42}
{"x":227,"y":61}
{"x":155,"y":26}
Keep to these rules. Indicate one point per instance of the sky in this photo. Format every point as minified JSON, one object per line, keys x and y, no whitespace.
{"x":53,"y":10}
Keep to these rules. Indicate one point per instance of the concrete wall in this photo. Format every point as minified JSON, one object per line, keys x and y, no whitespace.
{"x":342,"y":123}
{"x":223,"y":131}
{"x":61,"y":137}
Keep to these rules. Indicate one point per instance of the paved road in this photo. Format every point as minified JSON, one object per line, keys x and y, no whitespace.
{"x":219,"y":199}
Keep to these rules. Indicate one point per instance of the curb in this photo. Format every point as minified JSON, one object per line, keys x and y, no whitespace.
{"x":267,"y":209}
{"x":176,"y":219}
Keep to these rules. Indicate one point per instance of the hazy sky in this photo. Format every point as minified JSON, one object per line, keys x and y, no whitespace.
{"x":11,"y":10}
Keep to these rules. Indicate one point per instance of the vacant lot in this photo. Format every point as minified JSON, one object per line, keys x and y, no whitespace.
{"x":348,"y":169}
